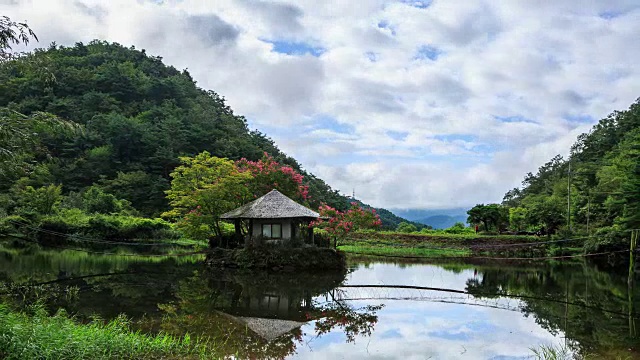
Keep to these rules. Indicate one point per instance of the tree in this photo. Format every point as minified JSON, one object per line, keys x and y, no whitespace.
{"x":517,"y":218}
{"x":95,"y":200}
{"x":340,"y":224}
{"x":43,"y":200}
{"x":267,"y":174}
{"x":203,"y":188}
{"x":13,"y":33}
{"x":19,"y":132}
{"x":491,"y":216}
{"x":547,"y":211}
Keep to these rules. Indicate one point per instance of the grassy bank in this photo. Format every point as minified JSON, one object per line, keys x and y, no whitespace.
{"x":443,"y":245}
{"x":403,"y":251}
{"x":39,"y":336}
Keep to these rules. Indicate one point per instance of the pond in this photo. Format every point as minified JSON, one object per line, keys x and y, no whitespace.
{"x":376,"y":310}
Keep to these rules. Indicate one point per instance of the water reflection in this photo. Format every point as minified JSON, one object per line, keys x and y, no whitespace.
{"x":471,"y":311}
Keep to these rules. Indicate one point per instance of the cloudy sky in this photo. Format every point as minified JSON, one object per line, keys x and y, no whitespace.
{"x":415,"y":104}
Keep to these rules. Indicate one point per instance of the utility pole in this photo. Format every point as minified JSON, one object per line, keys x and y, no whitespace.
{"x":569,"y":198}
{"x":588,"y":213}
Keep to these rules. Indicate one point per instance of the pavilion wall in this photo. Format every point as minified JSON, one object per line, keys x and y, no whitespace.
{"x":286,"y":226}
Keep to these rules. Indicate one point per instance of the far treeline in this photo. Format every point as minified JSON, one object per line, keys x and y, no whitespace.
{"x":92,"y":134}
{"x":594,"y":194}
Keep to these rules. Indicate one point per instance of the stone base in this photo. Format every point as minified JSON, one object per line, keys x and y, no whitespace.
{"x":278,"y":258}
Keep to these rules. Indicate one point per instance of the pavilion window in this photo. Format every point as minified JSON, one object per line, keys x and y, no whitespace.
{"x":272,"y":231}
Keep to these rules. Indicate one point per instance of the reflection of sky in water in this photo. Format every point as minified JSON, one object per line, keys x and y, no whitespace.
{"x":427,"y":328}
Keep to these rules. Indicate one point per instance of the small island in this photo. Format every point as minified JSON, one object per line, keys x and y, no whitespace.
{"x":279,"y":236}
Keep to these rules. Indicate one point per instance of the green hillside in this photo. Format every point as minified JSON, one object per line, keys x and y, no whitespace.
{"x":136,"y":116}
{"x":594,"y":193}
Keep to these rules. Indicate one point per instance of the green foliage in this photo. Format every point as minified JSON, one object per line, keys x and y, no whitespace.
{"x":604,"y":181}
{"x":96,"y":201}
{"x":44,"y":200}
{"x":518,"y":218}
{"x":404,"y":252}
{"x":405,"y":227}
{"x":459,"y":228}
{"x":138,"y":116}
{"x":100,"y":226}
{"x":40,"y":336}
{"x":547,"y":211}
{"x":203,"y":188}
{"x":13,"y":33}
{"x":491,"y":216}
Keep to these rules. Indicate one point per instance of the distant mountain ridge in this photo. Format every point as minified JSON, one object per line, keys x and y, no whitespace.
{"x":442,"y":221}
{"x":436,"y":218}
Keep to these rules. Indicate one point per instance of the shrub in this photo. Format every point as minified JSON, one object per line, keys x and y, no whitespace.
{"x":101,"y":226}
{"x":609,"y":238}
{"x":459,"y":228}
{"x":405,"y":227}
{"x":94,"y":200}
{"x":43,"y":200}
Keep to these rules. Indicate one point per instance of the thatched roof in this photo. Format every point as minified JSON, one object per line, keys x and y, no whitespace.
{"x":273,"y":205}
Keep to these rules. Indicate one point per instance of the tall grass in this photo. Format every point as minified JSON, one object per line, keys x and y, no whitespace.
{"x":560,"y":352}
{"x":39,"y":336}
{"x":550,"y":352}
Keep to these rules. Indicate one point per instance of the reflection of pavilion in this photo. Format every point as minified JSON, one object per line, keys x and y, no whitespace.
{"x":270,"y":329}
{"x":264,"y":303}
{"x":269,"y":304}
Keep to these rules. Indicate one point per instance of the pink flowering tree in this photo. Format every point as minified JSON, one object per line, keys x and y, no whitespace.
{"x":339,"y":224}
{"x":267,"y":174}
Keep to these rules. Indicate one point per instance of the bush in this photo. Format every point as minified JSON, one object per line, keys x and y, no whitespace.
{"x":94,"y":200}
{"x":106,"y":227}
{"x":609,"y":238}
{"x":405,"y":227}
{"x":459,"y":228}
{"x":7,"y":224}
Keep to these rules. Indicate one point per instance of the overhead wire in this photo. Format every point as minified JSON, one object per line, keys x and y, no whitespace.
{"x":109,"y":253}
{"x":83,"y":239}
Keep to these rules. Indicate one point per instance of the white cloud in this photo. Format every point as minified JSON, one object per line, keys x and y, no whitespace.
{"x":539,"y":62}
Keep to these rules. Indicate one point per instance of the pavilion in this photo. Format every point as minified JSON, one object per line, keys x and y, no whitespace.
{"x":275,"y":218}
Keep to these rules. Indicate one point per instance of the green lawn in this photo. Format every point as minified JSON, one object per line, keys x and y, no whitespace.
{"x":404,"y":251}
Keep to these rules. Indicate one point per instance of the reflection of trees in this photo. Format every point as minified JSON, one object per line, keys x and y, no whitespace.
{"x":586,"y":304}
{"x":352,"y":321}
{"x":214,"y":306}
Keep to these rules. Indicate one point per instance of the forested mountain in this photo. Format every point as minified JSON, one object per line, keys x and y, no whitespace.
{"x":596,"y":191}
{"x":136,"y":116}
{"x":442,"y":221}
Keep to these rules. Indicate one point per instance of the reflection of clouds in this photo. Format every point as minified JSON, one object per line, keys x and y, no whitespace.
{"x":450,"y":332}
{"x":424,"y":329}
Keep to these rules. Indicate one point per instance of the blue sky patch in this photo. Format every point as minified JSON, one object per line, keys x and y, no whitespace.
{"x":391,"y":334}
{"x":373,"y":57}
{"x":582,"y":118}
{"x":384,"y":24}
{"x":327,"y":122}
{"x":295,"y":48}
{"x":454,"y":137}
{"x":397,"y":135}
{"x":428,"y":52}
{"x":420,"y":4}
{"x":514,"y":119}
{"x":450,"y":335}
{"x":610,"y":14}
